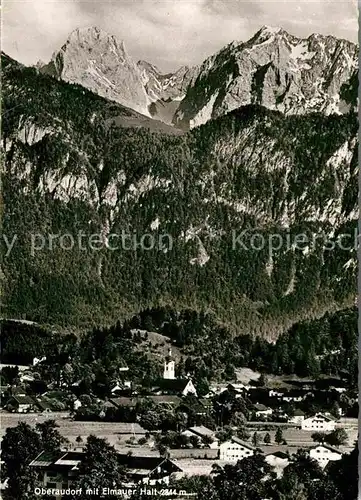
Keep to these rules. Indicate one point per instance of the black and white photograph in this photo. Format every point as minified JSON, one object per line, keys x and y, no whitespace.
{"x":179,"y":215}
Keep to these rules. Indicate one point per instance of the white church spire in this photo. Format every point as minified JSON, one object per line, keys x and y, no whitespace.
{"x":169,"y":367}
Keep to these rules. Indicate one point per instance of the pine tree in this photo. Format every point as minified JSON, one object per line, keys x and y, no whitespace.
{"x":267,"y":438}
{"x":255,"y":439}
{"x":279,"y":436}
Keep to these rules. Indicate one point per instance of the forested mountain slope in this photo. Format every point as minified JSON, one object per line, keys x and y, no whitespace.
{"x":74,"y":164}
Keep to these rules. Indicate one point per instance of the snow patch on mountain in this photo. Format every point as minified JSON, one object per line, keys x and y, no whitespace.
{"x":205,"y":113}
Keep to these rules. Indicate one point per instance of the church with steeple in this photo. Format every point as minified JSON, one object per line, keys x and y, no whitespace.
{"x":169,"y":366}
{"x":170,"y":384}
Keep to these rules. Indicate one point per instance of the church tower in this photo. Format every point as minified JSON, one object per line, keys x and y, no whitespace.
{"x":169,"y":367}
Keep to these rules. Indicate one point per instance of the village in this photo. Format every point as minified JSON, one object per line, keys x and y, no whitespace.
{"x":169,"y":431}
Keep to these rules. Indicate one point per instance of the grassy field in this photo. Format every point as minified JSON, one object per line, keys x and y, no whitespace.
{"x":116,"y":433}
{"x":299,"y":438}
{"x":119,"y":434}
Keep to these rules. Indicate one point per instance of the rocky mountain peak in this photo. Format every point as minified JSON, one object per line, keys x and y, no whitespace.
{"x":269,"y":31}
{"x":274,"y":69}
{"x":91,"y":37}
{"x":88,"y":33}
{"x":99,"y":61}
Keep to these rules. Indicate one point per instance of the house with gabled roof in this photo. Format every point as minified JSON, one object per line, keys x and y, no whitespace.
{"x":207,"y":403}
{"x":21,"y":404}
{"x":194,"y":453}
{"x":147,"y":469}
{"x":59,"y":470}
{"x":202,"y":432}
{"x":297,"y":417}
{"x":44,"y":405}
{"x":238,"y":389}
{"x":17,"y":391}
{"x":277,"y":458}
{"x":261,"y":410}
{"x":276,"y":393}
{"x":318,"y":423}
{"x":323,"y":453}
{"x":121,"y":389}
{"x":235,"y":449}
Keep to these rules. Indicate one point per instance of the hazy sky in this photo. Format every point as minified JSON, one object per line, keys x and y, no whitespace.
{"x":168,"y":33}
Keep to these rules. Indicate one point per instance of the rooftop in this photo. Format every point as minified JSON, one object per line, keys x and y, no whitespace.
{"x":176,"y":385}
{"x":140,"y":465}
{"x":298,"y":413}
{"x":23,"y":400}
{"x":260,"y":407}
{"x":201,"y":430}
{"x":164,"y":399}
{"x":243,"y":443}
{"x":328,"y":447}
{"x":123,"y":401}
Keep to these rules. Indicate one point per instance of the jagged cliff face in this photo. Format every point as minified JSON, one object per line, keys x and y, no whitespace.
{"x":273,"y":69}
{"x":165,"y":91}
{"x":71,"y":166}
{"x":100,"y":63}
{"x":166,"y":86}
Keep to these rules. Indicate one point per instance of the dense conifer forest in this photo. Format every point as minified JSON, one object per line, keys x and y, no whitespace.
{"x":208,"y":350}
{"x":77,"y":163}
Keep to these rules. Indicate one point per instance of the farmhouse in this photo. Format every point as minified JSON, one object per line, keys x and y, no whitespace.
{"x":26,"y":376}
{"x":261,"y":410}
{"x":206,"y":403}
{"x":235,"y":449}
{"x":297,"y":418}
{"x":324,"y":453}
{"x":44,"y":406}
{"x":59,"y":470}
{"x":21,"y":404}
{"x":318,"y":422}
{"x":148,"y":470}
{"x":121,"y":389}
{"x":202,"y":432}
{"x":17,"y":391}
{"x":36,"y":360}
{"x":278,"y":459}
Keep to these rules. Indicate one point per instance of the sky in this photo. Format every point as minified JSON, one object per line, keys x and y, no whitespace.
{"x":168,"y":33}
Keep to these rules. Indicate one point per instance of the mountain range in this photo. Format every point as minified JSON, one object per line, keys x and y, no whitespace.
{"x":274,"y":69}
{"x":83,"y":154}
